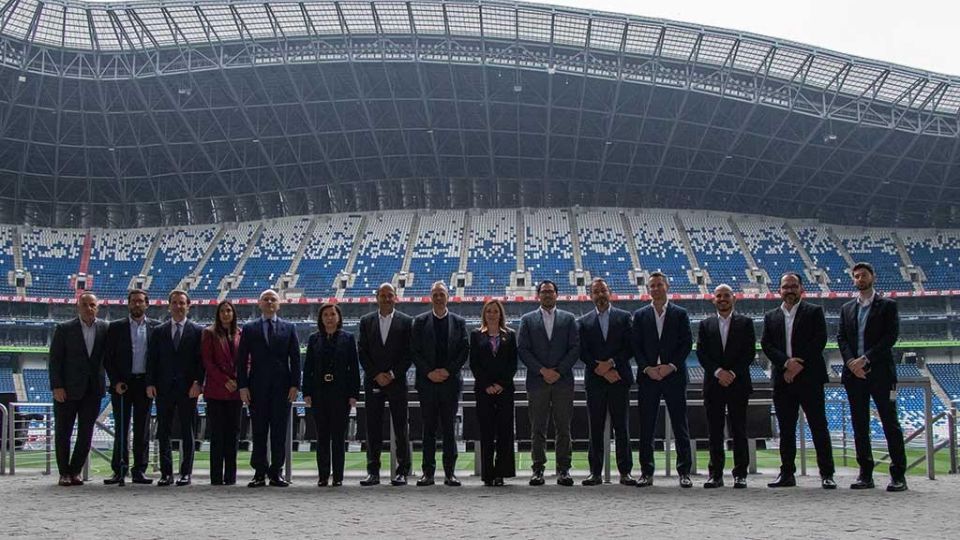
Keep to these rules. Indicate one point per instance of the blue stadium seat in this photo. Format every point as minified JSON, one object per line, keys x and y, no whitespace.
{"x":938,"y":254}
{"x":548,"y":249}
{"x":178,"y":254}
{"x":326,"y":254}
{"x":603,"y":249}
{"x":492,"y":251}
{"x":876,"y":246}
{"x":659,"y":247}
{"x":817,"y":243}
{"x":717,"y":250}
{"x":381,"y":251}
{"x":223,"y":260}
{"x":116,"y":257}
{"x":52,"y":256}
{"x":6,"y":259}
{"x":770,"y":247}
{"x":436,"y":251}
{"x":271,"y":256}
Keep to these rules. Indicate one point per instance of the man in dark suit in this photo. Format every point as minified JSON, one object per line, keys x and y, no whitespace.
{"x":439,"y":345}
{"x":268,"y":376}
{"x":175,"y":378}
{"x":605,"y":350}
{"x":125,"y":360}
{"x":726,"y":345}
{"x":661,"y":343}
{"x":869,"y":328}
{"x":793,"y":339}
{"x":76,"y":379}
{"x":548,"y":343}
{"x":385,"y":357}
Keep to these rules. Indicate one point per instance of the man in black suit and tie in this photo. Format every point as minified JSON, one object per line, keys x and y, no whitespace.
{"x":385,"y":357}
{"x":125,"y":360}
{"x":76,"y":379}
{"x":793,"y":339}
{"x":661,"y":343}
{"x":439,"y":346}
{"x":606,"y":350}
{"x":175,"y":378}
{"x":869,"y":328}
{"x":268,"y":376}
{"x":726,"y":345}
{"x":548,"y":343}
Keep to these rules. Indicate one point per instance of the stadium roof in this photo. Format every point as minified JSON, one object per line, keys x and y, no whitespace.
{"x":184,"y":112}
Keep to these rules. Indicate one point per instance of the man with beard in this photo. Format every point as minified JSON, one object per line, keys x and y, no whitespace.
{"x":793,"y":339}
{"x":869,"y":328}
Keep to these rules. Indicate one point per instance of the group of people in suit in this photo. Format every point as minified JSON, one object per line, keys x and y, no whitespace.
{"x":260,"y":366}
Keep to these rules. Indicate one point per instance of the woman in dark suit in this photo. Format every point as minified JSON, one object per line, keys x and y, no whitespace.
{"x":218,"y":343}
{"x":493,"y":360}
{"x":331,"y":387}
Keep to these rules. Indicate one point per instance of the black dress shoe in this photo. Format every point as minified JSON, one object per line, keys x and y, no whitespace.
{"x":863,"y":483}
{"x":276,"y":481}
{"x":827,"y":482}
{"x":425,"y":480}
{"x":64,"y":481}
{"x":141,"y":479}
{"x":322,"y":482}
{"x":564,"y":479}
{"x":897,"y":485}
{"x":644,"y":481}
{"x":75,"y":480}
{"x":488,"y":483}
{"x":592,"y":480}
{"x":627,"y":480}
{"x":257,"y":482}
{"x":184,"y":480}
{"x":537,"y":478}
{"x":216,"y":482}
{"x":498,"y":482}
{"x":685,"y":481}
{"x":739,"y":482}
{"x":231,"y":482}
{"x":399,"y":480}
{"x":783,"y":481}
{"x":371,"y":480}
{"x":113,"y":480}
{"x":165,"y":480}
{"x":452,"y":481}
{"x":713,"y":483}
{"x":337,"y":483}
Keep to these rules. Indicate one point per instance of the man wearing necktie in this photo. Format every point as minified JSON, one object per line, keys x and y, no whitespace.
{"x":268,"y":376}
{"x":869,"y":328}
{"x":174,"y":378}
{"x":726,"y":345}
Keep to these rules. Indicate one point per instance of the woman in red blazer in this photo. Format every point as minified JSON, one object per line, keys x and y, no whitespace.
{"x":218,"y":346}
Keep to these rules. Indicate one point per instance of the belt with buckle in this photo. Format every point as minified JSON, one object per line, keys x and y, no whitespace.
{"x":328,"y":377}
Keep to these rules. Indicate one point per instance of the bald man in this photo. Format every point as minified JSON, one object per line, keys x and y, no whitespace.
{"x":726,"y":345}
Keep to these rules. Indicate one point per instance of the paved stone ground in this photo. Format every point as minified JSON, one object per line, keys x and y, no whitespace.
{"x":33,"y":507}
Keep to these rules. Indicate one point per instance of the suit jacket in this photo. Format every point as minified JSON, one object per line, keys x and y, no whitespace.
{"x":809,"y":337}
{"x":218,"y":364}
{"x":879,"y":337}
{"x":71,"y":368}
{"x":378,"y":357}
{"x":618,"y":346}
{"x":118,"y":355}
{"x":560,"y":352}
{"x":345,"y":367}
{"x":423,"y":350}
{"x":736,"y":357}
{"x":672,"y":347}
{"x":173,"y":370}
{"x":260,"y":365}
{"x":491,"y":368}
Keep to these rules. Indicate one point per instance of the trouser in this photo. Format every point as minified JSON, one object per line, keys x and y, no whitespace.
{"x":883,"y":392}
{"x":135,"y":407}
{"x":551,"y":401}
{"x":331,"y":414}
{"x":375,"y":400}
{"x":224,"y":418}
{"x":439,"y":409}
{"x":673,"y":390}
{"x":84,"y":412}
{"x":614,"y":399}
{"x":185,"y":409}
{"x":787,"y":401}
{"x":495,"y":419}
{"x":719,"y":402}
{"x":270,"y":417}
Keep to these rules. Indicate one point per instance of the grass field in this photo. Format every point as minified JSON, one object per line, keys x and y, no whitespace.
{"x":355,"y":461}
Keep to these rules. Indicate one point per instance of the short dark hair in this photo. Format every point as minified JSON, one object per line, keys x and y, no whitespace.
{"x":178,"y":291}
{"x":794,"y":274}
{"x":658,"y":274}
{"x":862,"y":265}
{"x":547,"y":282}
{"x":131,"y":292}
{"x":327,"y":305}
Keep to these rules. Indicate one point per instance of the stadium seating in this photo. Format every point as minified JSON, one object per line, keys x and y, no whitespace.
{"x":6,"y":259}
{"x":37,"y":384}
{"x":492,"y":251}
{"x":52,"y":256}
{"x":271,"y":256}
{"x":948,"y":376}
{"x":937,"y":253}
{"x":224,"y":259}
{"x":436,"y":251}
{"x":6,"y":380}
{"x":381,"y":251}
{"x":603,"y":248}
{"x":716,"y":249}
{"x":179,"y":252}
{"x":821,"y":248}
{"x":547,"y":247}
{"x":876,"y":246}
{"x":116,"y":257}
{"x":326,"y":254}
{"x":659,"y":247}
{"x":770,"y":246}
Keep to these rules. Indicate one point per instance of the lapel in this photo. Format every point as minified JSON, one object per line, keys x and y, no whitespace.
{"x":99,"y":336}
{"x":543,"y":325}
{"x":797,"y":325}
{"x":428,"y":334}
{"x":77,"y":331}
{"x":594,"y":323}
{"x":874,"y":313}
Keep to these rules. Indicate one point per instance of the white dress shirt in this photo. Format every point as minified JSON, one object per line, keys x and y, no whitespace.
{"x":385,"y":322}
{"x":89,"y":335}
{"x":789,"y":315}
{"x":724,"y":325}
{"x":549,"y":315}
{"x":660,"y":318}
